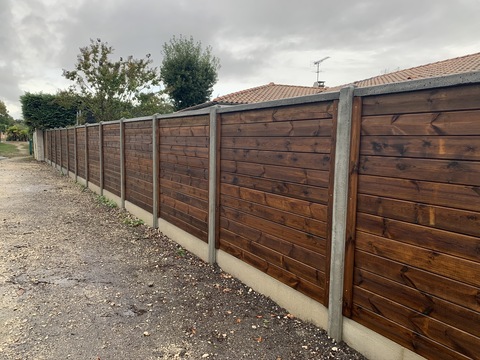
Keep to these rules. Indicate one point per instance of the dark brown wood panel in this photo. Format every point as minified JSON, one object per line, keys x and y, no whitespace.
{"x":449,"y":266}
{"x":139,"y":163}
{"x":64,"y":138}
{"x":324,"y":110}
{"x":459,"y":221}
{"x":433,"y":100}
{"x":446,"y":171}
{"x":111,"y":158}
{"x":274,"y":172}
{"x":454,"y":196}
{"x":81,"y":152}
{"x":93,"y":155}
{"x":287,"y":128}
{"x":457,"y":123}
{"x":424,"y":325}
{"x":320,"y":145}
{"x":421,"y":302}
{"x":71,"y":149}
{"x":428,"y":283}
{"x":433,"y":147}
{"x":451,"y":243}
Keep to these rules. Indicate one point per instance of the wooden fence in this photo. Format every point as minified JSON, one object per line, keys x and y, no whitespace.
{"x":411,"y":258}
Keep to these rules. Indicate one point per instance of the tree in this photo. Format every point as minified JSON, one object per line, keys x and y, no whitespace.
{"x":5,"y":119}
{"x":46,"y":111}
{"x":109,"y":88}
{"x":188,"y":72}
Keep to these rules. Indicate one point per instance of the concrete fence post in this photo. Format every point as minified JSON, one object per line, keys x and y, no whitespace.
{"x":339,"y":213}
{"x":86,"y":155}
{"x":122,"y":163}
{"x":212,"y":187}
{"x":39,"y":145}
{"x":100,"y":154}
{"x":155,"y":154}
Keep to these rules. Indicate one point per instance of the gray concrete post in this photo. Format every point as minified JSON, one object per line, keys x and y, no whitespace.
{"x":122,"y":163}
{"x":155,"y":151}
{"x":86,"y":156}
{"x":339,"y":213}
{"x":100,"y":154}
{"x":212,"y":187}
{"x":39,"y":145}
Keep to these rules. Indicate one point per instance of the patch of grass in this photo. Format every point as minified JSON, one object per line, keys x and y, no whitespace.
{"x":8,"y":150}
{"x":181,"y":252}
{"x":107,"y":202}
{"x":132,"y":221}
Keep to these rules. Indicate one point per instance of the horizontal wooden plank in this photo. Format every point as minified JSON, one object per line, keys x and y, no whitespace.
{"x":430,"y":260}
{"x":194,"y":172}
{"x":184,"y":121}
{"x":297,"y":191}
{"x":321,"y":145}
{"x":185,"y":189}
{"x":273,"y":257}
{"x":201,"y":152}
{"x":312,"y":258}
{"x":438,"y":123}
{"x":187,"y":218}
{"x":200,"y":141}
{"x":449,"y":195}
{"x":460,"y":221}
{"x":432,"y":147}
{"x":287,"y":159}
{"x":320,"y":110}
{"x":280,"y":129}
{"x":189,"y":228}
{"x":410,"y":339}
{"x":291,"y":220}
{"x":445,"y":99}
{"x":294,"y":175}
{"x":184,"y":198}
{"x":186,"y":131}
{"x":421,"y":302}
{"x":296,"y":206}
{"x":184,"y":179}
{"x":193,"y":211}
{"x":448,"y":336}
{"x":304,"y":239}
{"x":451,"y":243}
{"x":315,"y":292}
{"x":185,"y":160}
{"x":448,"y":171}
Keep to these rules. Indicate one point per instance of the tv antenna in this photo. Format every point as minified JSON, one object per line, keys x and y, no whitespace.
{"x":318,"y":62}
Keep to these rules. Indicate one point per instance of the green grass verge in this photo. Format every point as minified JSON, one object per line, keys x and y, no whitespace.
{"x":8,"y":150}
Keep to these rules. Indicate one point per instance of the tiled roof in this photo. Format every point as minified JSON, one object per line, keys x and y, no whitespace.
{"x":457,"y":65}
{"x":266,"y":93}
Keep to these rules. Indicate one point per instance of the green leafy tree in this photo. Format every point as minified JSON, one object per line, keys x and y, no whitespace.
{"x":110,"y":88}
{"x":46,"y":111}
{"x":188,"y":72}
{"x":5,"y":119}
{"x":17,"y":132}
{"x":149,"y":104}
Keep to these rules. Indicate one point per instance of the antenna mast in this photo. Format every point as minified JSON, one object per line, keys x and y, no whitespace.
{"x":318,"y":62}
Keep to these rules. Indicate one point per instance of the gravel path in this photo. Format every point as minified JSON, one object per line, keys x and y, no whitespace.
{"x":79,"y":281}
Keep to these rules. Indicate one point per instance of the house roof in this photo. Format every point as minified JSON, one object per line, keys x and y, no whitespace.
{"x":458,"y":65}
{"x":271,"y":91}
{"x":267,"y":92}
{"x":258,"y":94}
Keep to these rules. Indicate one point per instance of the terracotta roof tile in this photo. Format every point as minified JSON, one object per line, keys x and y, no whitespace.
{"x":267,"y":93}
{"x":462,"y":64}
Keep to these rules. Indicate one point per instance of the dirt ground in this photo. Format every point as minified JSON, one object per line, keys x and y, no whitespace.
{"x":78,"y":280}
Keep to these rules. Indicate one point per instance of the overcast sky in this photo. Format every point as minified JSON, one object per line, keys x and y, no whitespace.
{"x":257,"y":41}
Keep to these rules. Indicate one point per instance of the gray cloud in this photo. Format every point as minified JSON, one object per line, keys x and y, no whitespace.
{"x":256,"y":41}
